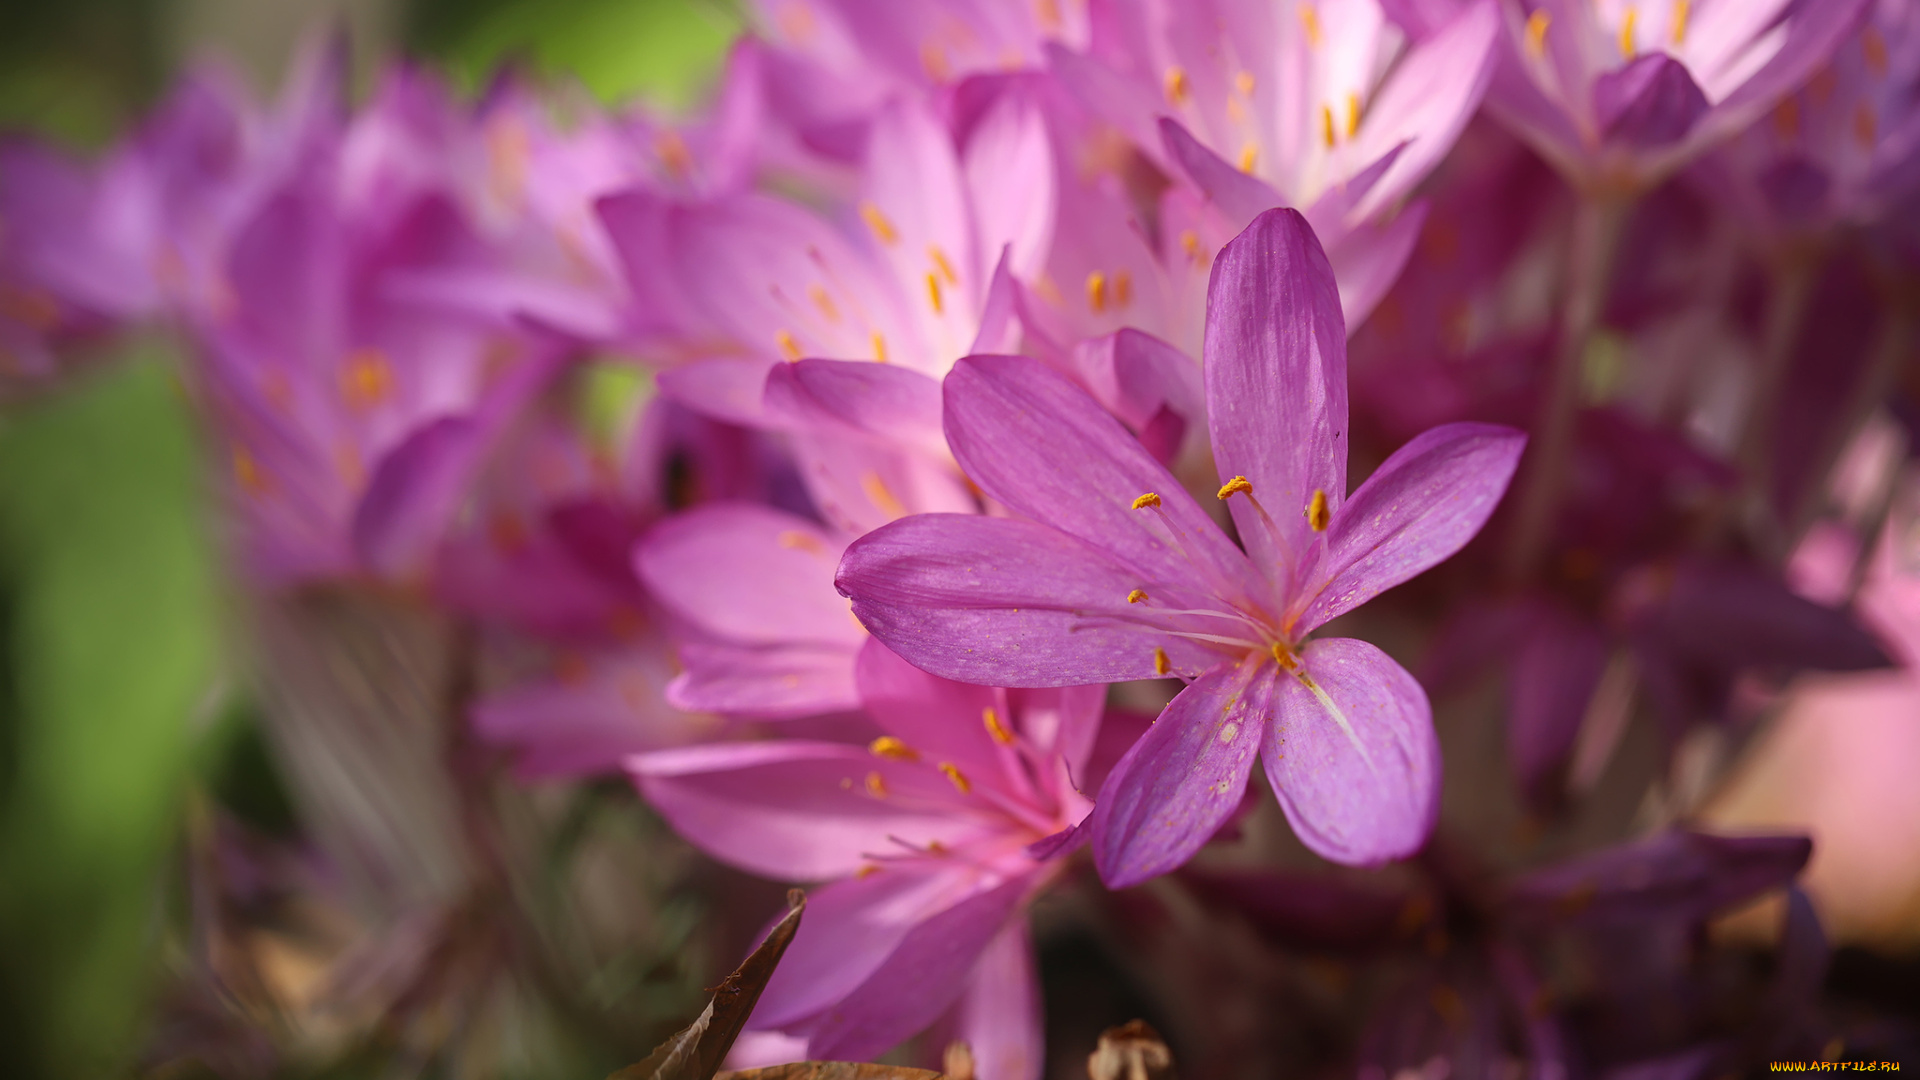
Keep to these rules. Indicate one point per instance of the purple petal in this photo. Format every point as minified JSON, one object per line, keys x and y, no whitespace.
{"x":1239,"y":196}
{"x":860,"y":483}
{"x":1154,"y":388}
{"x":798,"y":811}
{"x":748,"y":574}
{"x":894,"y":404}
{"x":1002,"y":602}
{"x":1679,"y":875}
{"x":771,"y":682}
{"x":849,"y":930}
{"x":413,"y":494}
{"x":1185,"y":776}
{"x":1649,"y":103}
{"x":1557,"y":668}
{"x":1009,"y":170}
{"x":917,"y":982}
{"x":1040,"y":445}
{"x":999,"y":1018}
{"x":1000,"y":315}
{"x":939,"y":719}
{"x":1361,"y":785}
{"x":1301,"y":912}
{"x":1368,"y":258}
{"x":730,"y":390}
{"x":1419,"y":507}
{"x":1276,"y":373}
{"x":1426,"y":102}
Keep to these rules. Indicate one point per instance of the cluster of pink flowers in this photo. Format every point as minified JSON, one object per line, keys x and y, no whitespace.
{"x":1000,"y":364}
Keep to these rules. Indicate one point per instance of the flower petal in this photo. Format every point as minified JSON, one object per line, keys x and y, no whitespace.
{"x":1276,"y":374}
{"x":1040,"y":445}
{"x":1008,"y":164}
{"x":1360,"y":786}
{"x":999,"y":1018}
{"x":896,"y":405}
{"x":1185,"y":776}
{"x":796,"y":810}
{"x":747,"y":574}
{"x":1419,"y":507}
{"x":1368,"y":258}
{"x":1426,"y":102}
{"x":1002,"y":602}
{"x":1239,"y":196}
{"x":770,"y":682}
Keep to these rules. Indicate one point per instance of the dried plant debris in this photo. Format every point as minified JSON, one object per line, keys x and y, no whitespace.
{"x":696,"y":1052}
{"x":1132,"y":1051}
{"x":831,"y":1070}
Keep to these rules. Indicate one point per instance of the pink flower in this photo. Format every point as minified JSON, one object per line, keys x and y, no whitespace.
{"x":1117,"y":573}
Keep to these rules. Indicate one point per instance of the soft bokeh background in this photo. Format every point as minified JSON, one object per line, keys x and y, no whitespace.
{"x":118,"y":720}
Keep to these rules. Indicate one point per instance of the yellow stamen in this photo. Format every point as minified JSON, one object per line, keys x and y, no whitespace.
{"x":1048,"y":14}
{"x":1786,"y":119}
{"x":1681,"y":9}
{"x":1097,"y":292}
{"x":1249,"y":156}
{"x":876,"y":785}
{"x":1626,"y":32}
{"x":1537,"y":24}
{"x":941,"y":264}
{"x":33,"y":307}
{"x":1243,"y":82}
{"x":789,"y":345}
{"x":252,"y":479}
{"x":933,"y":57}
{"x":887,"y":746}
{"x":995,"y":728}
{"x":1122,"y":288}
{"x":1160,"y":665}
{"x":866,"y":870}
{"x":1326,"y":125}
{"x":367,"y":379}
{"x":1144,"y":501}
{"x":507,"y":532}
{"x":1137,"y":596}
{"x":1237,"y":485}
{"x":933,"y":295}
{"x":1317,"y":513}
{"x":1284,"y":657}
{"x":1865,"y":125}
{"x":1353,"y":115}
{"x":796,"y":540}
{"x":671,"y":148}
{"x":1176,"y":85}
{"x":879,"y":347}
{"x":1310,"y":21}
{"x":824,"y":302}
{"x":1874,"y":48}
{"x":1190,"y":243}
{"x":960,"y":781}
{"x":878,"y":222}
{"x":882,"y":496}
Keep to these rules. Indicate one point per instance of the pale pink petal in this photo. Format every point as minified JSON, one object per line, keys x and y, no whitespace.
{"x":748,"y":574}
{"x":999,"y":1018}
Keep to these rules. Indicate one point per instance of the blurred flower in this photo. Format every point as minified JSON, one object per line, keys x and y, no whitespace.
{"x":1128,"y":579}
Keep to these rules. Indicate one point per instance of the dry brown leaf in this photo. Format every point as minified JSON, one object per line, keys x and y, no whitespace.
{"x":1132,"y":1051}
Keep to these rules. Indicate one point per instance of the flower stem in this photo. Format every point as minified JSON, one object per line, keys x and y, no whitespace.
{"x":1596,"y":237}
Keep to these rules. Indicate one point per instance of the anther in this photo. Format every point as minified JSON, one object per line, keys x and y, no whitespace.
{"x":1317,"y":513}
{"x":1537,"y":24}
{"x":1873,"y":48}
{"x":367,"y":379}
{"x":882,"y":496}
{"x":933,"y":294}
{"x":1160,"y":665}
{"x":941,"y":264}
{"x":789,"y":345}
{"x":991,"y":718}
{"x":1627,"y":24}
{"x":1190,"y":243}
{"x":1176,"y":84}
{"x":824,"y":302}
{"x":1326,"y":125}
{"x":1122,"y":289}
{"x":1310,"y":21}
{"x":878,"y":222}
{"x":866,"y":870}
{"x":1249,"y":157}
{"x":1681,"y":9}
{"x":1137,"y":596}
{"x":1236,"y":486}
{"x":1243,"y":82}
{"x":876,"y":785}
{"x":1353,"y":114}
{"x":1097,"y":292}
{"x":879,"y":347}
{"x":796,"y":540}
{"x":1284,"y":657}
{"x":1145,"y":501}
{"x":887,"y":746}
{"x":960,"y":781}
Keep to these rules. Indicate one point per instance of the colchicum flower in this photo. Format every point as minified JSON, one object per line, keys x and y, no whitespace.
{"x":1118,"y":574}
{"x":941,"y":830}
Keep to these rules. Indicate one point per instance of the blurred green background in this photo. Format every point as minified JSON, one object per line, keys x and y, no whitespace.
{"x":115,"y":712}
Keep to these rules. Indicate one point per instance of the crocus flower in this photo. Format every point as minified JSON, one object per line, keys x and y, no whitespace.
{"x":934,"y":837}
{"x":1318,"y":106}
{"x":1117,"y":573}
{"x":1620,"y":93}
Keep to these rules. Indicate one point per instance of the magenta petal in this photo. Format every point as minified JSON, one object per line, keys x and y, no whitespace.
{"x":1365,"y":790}
{"x":1000,"y":315}
{"x":1009,"y":170}
{"x":1040,"y":445}
{"x":1185,"y":776}
{"x":1238,"y":195}
{"x":771,"y":682}
{"x":413,"y":494}
{"x":1153,"y":388}
{"x":730,"y":390}
{"x":1649,"y":103}
{"x":890,"y":403}
{"x":1555,"y":673}
{"x":795,"y":810}
{"x":1276,"y":374}
{"x":1427,"y":100}
{"x":917,"y":982}
{"x":849,"y":929}
{"x":939,"y":719}
{"x":999,"y":1018}
{"x":748,"y":574}
{"x":1002,"y":603}
{"x":1419,"y":507}
{"x":1368,"y":259}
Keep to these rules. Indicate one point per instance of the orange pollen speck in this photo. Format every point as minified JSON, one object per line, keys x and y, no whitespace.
{"x":960,"y":781}
{"x":887,"y":746}
{"x":789,"y":345}
{"x":1284,"y":657}
{"x":882,"y":496}
{"x":1243,"y":82}
{"x":1137,"y":596}
{"x":1681,"y":9}
{"x":1627,"y":24}
{"x":1317,"y":513}
{"x":673,"y":153}
{"x":1537,"y":24}
{"x":879,"y":347}
{"x":1190,"y":243}
{"x":941,"y":264}
{"x":1145,"y":501}
{"x":1239,"y":485}
{"x":933,"y":295}
{"x":1249,"y":157}
{"x":824,"y":302}
{"x":1160,"y":665}
{"x":1326,"y":126}
{"x":1175,"y":84}
{"x":1310,"y":21}
{"x":876,"y":785}
{"x":367,"y":379}
{"x":877,"y":221}
{"x":1097,"y":292}
{"x":799,"y":541}
{"x":991,"y":718}
{"x":1353,"y":115}
{"x":1123,"y":289}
